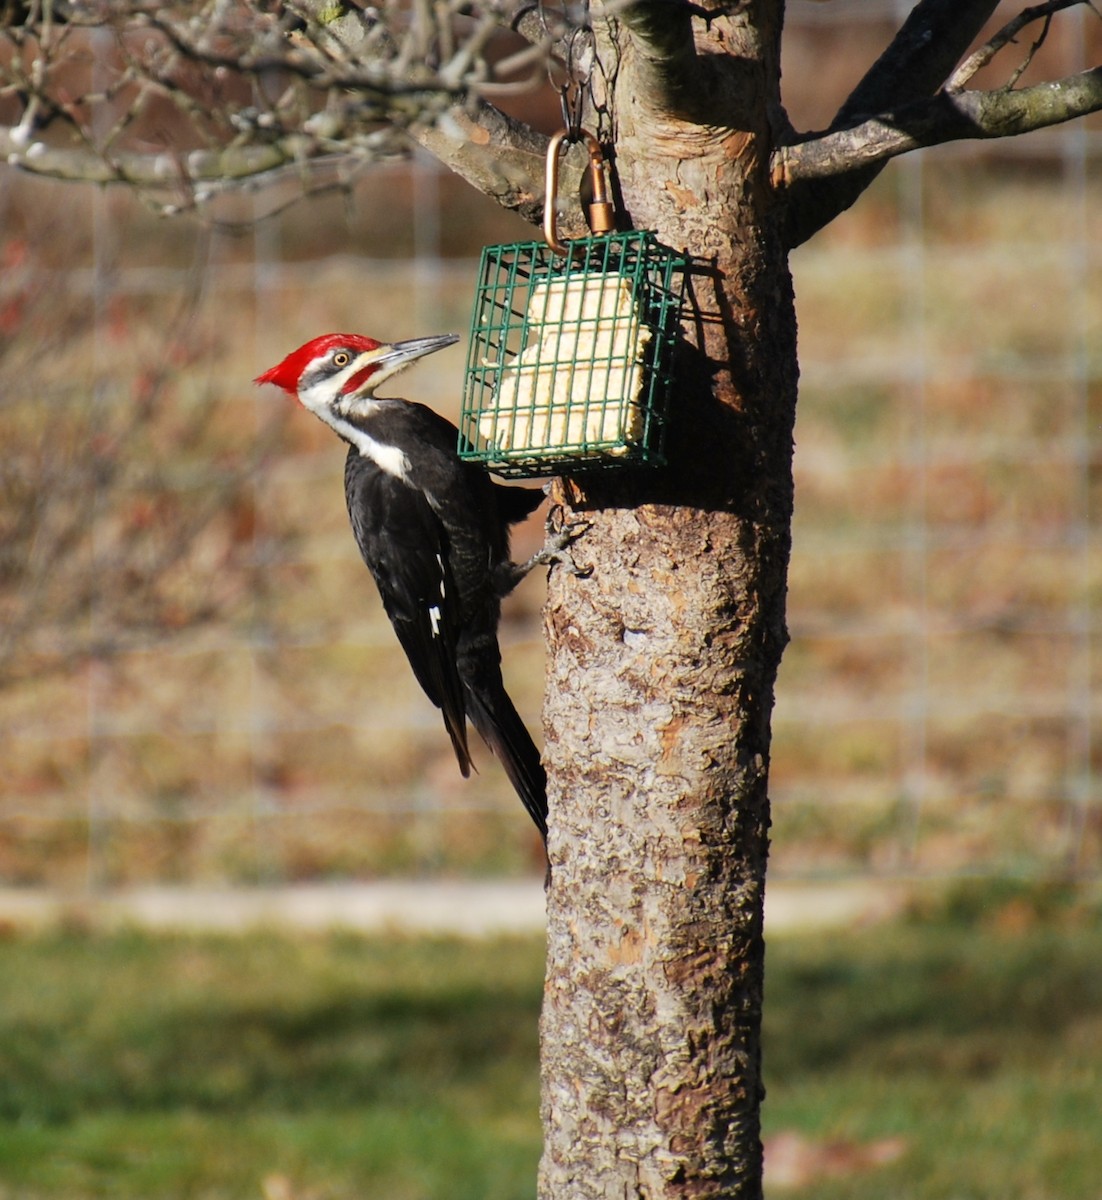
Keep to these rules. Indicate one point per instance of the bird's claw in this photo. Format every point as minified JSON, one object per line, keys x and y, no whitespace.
{"x":556,"y":549}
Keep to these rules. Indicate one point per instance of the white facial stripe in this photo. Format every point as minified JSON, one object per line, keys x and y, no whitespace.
{"x":385,"y":371}
{"x":323,"y":398}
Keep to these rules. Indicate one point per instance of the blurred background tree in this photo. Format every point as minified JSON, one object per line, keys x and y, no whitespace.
{"x":122,"y":516}
{"x":902,"y":776}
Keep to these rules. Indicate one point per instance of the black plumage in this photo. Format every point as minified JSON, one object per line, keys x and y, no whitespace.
{"x":434,"y":532}
{"x":442,"y":576}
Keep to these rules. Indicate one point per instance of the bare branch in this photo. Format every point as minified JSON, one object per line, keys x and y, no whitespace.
{"x":502,"y":158}
{"x":900,"y":106}
{"x":1009,"y":32}
{"x":920,"y":57}
{"x":916,"y":63}
{"x":944,"y":118}
{"x":174,"y":181}
{"x":259,"y":89}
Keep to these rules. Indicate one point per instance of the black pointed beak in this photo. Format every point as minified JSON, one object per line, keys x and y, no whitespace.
{"x":405,"y":352}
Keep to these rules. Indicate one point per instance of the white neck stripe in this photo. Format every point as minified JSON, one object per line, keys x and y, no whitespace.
{"x":324,"y":400}
{"x":389,"y":458}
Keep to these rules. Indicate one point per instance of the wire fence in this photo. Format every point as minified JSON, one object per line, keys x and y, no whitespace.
{"x":991,"y":548}
{"x":938,"y":709}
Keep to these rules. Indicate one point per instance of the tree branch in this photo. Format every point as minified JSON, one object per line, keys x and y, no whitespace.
{"x":668,"y":68}
{"x":500,"y":157}
{"x":927,"y":47}
{"x":1009,"y":32}
{"x":914,"y":65}
{"x":180,"y":180}
{"x":946,"y":117}
{"x":330,"y":82}
{"x":898,"y":107}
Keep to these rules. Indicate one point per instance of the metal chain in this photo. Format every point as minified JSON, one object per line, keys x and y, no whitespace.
{"x":574,"y":88}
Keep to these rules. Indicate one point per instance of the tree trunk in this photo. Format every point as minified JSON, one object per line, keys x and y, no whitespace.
{"x":662,"y":663}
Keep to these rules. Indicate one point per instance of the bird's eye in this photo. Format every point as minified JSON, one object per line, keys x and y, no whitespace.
{"x":342,"y":358}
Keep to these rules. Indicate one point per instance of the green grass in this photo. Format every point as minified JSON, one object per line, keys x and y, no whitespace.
{"x":340,"y":1067}
{"x":141,"y":1066}
{"x":977,"y":1044}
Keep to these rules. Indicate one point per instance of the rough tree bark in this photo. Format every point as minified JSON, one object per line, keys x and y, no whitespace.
{"x":663,"y":660}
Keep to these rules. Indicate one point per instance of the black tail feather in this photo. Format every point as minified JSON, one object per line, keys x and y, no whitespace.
{"x":492,"y":713}
{"x":516,"y":503}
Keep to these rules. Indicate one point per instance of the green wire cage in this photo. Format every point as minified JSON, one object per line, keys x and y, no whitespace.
{"x":570,"y":357}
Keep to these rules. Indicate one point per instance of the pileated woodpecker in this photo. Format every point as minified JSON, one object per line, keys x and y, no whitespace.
{"x":434,"y":532}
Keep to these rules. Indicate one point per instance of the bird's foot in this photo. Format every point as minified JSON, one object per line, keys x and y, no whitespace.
{"x":561,"y":535}
{"x":555,"y":551}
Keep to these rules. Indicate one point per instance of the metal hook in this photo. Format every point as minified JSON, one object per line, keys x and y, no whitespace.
{"x":601,"y":208}
{"x":572,"y":101}
{"x":572,"y":91}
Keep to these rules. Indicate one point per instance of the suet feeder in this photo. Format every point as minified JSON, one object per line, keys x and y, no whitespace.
{"x":571,"y":345}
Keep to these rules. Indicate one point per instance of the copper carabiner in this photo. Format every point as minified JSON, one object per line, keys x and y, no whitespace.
{"x":601,"y":208}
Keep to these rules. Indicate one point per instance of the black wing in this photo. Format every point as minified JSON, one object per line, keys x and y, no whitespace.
{"x":480,"y":539}
{"x":406,"y":549}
